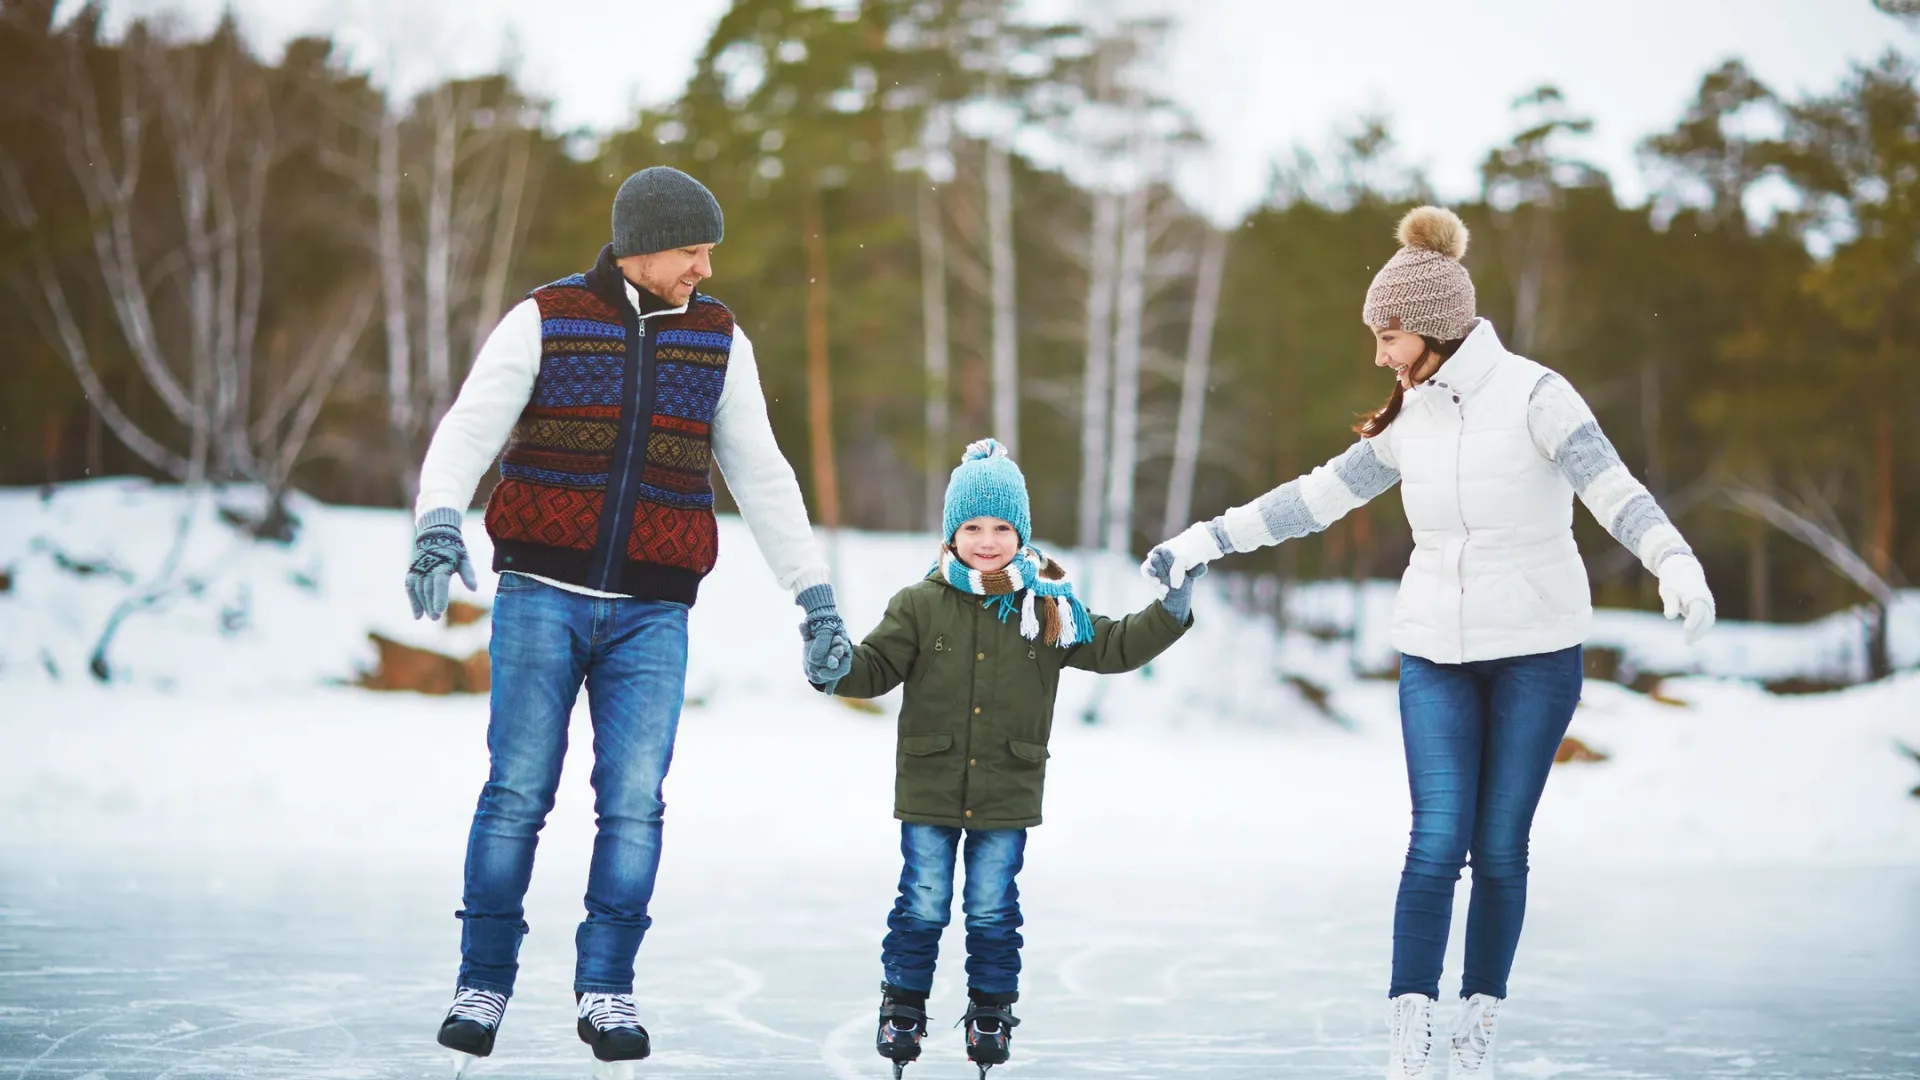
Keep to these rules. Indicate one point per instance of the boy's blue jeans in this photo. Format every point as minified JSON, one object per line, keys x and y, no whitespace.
{"x":991,"y":903}
{"x":632,"y":657}
{"x":1480,"y":740}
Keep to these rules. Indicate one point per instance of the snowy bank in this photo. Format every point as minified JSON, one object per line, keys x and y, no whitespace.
{"x":230,"y":723}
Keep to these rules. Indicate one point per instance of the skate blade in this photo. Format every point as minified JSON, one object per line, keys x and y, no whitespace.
{"x":461,"y":1063}
{"x":613,"y":1070}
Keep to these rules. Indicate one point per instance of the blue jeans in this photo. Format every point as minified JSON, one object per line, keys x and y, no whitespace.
{"x":1480,"y":741}
{"x":632,"y":657}
{"x":991,"y":903}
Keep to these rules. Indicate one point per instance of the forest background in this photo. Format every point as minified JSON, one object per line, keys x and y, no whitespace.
{"x":223,"y":267}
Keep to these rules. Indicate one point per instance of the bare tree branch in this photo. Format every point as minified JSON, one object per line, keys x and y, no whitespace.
{"x":343,"y":337}
{"x":65,"y":334}
{"x":109,"y":197}
{"x":1825,"y":542}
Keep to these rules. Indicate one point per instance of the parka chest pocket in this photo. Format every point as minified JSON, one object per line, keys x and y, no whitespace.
{"x":935,"y":664}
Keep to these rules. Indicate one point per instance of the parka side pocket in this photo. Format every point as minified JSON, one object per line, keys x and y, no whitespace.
{"x":925,"y":744}
{"x":1029,"y":751}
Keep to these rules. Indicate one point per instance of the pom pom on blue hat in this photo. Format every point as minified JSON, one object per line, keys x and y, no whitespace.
{"x":987,"y":483}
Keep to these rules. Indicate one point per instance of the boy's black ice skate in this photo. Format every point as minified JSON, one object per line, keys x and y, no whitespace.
{"x":470,"y":1026}
{"x":903,"y":1023}
{"x":989,"y":1023}
{"x":610,"y":1025}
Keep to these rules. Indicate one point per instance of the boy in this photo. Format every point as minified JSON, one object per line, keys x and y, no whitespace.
{"x":980,"y":643}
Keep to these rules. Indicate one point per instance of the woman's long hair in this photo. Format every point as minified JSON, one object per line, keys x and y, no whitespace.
{"x":1375,"y":422}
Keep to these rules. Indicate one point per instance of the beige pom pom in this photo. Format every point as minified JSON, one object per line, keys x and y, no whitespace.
{"x":1434,"y":228}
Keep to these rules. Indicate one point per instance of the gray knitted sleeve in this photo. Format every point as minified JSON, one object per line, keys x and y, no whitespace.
{"x":1565,"y":431}
{"x":1309,"y":503}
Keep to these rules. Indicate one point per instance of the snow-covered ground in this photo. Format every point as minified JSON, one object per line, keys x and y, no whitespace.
{"x":231,"y":863}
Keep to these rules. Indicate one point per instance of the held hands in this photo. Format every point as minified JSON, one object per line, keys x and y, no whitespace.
{"x":438,"y":553}
{"x":1179,"y":601}
{"x":828,"y":653}
{"x":1172,"y":562}
{"x":1683,"y":591}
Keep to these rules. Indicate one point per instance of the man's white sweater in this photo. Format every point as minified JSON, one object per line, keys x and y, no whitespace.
{"x":498,"y":388}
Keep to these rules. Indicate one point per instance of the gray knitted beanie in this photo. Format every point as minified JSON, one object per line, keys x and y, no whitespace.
{"x":1423,"y":286}
{"x":662,"y":208}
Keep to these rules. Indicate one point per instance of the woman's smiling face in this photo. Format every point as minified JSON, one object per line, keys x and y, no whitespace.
{"x":1406,"y":355}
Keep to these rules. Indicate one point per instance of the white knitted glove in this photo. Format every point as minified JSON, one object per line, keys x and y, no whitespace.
{"x":1167,"y":564}
{"x":1683,"y":590}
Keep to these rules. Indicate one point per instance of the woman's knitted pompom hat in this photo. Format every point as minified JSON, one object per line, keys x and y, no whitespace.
{"x":1423,"y":289}
{"x":987,"y":484}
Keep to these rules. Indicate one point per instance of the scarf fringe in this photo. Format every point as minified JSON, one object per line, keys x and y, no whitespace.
{"x":1029,"y":619}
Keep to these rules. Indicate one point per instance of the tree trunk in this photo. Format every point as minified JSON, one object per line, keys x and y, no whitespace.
{"x":1650,"y":427}
{"x":1126,"y":368}
{"x":1881,"y":549}
{"x":1193,"y":383}
{"x":439,"y":255}
{"x":1006,"y":374}
{"x":1879,"y":659}
{"x":506,"y":234}
{"x":933,"y":310}
{"x":393,"y":298}
{"x":1097,"y":387}
{"x":826,"y":484}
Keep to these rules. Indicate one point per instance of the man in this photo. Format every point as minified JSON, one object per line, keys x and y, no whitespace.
{"x":612,"y":391}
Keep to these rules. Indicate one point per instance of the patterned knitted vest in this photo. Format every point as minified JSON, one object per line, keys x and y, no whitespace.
{"x":604,"y":481}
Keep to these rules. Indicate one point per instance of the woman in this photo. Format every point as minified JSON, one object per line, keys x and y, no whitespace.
{"x":1489,"y":449}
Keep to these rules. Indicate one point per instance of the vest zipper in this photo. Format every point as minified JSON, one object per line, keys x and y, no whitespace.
{"x":1466,"y":532}
{"x":639,"y":406}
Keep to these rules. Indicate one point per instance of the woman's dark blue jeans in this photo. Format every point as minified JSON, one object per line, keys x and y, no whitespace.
{"x":1480,"y":741}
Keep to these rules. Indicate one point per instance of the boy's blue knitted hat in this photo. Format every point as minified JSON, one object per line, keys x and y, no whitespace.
{"x":988,"y":484}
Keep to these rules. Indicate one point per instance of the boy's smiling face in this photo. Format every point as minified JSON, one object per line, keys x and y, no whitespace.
{"x":986,"y":544}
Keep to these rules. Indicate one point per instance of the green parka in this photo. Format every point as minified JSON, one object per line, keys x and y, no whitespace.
{"x":979,"y":699}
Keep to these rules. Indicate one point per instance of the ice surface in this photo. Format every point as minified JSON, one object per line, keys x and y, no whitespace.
{"x":325,"y":972}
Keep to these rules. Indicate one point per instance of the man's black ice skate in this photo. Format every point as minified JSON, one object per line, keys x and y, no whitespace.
{"x":903,"y":1023}
{"x":610,"y":1025}
{"x":470,"y":1026}
{"x":989,"y":1023}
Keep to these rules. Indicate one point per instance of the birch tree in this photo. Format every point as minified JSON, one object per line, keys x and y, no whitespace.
{"x":1000,"y":269}
{"x":447,"y":179}
{"x":1193,"y":382}
{"x":933,"y":315}
{"x":185,"y":289}
{"x":1130,"y":309}
{"x":1097,"y":383}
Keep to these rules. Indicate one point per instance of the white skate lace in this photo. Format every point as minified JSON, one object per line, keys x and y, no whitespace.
{"x":609,"y":1011}
{"x":480,"y":1006}
{"x":1473,"y":1035}
{"x":1411,"y":1035}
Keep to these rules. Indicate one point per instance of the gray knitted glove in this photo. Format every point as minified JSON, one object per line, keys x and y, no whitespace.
{"x":829,"y":651}
{"x":1179,"y":602}
{"x":438,"y":553}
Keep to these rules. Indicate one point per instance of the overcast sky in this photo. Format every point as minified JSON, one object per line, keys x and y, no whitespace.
{"x":1260,"y":76}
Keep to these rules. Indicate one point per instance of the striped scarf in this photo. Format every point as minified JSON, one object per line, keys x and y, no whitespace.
{"x":1036,"y":586}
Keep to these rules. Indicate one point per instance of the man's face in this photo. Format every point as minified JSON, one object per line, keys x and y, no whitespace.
{"x":671,"y":275}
